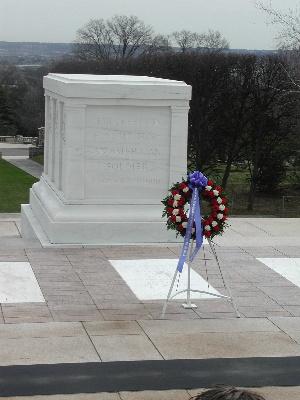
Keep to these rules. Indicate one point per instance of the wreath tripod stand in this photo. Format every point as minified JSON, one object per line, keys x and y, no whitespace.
{"x":188,"y":290}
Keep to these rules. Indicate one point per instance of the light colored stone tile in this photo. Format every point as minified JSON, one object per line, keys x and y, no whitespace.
{"x":216,"y":345}
{"x":108,"y":328}
{"x":156,"y":395}
{"x":41,"y":330}
{"x":18,"y":283}
{"x":46,"y":350}
{"x":156,"y":327}
{"x":149,"y":279}
{"x":125,"y":348}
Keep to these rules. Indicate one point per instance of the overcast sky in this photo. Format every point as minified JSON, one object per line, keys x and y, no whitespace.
{"x":57,"y":20}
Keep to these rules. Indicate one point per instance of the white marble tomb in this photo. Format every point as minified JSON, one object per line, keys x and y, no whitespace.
{"x":113,"y":146}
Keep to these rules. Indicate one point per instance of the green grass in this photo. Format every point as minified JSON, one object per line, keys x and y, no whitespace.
{"x":14,"y":187}
{"x":39,"y":159}
{"x":265,"y":204}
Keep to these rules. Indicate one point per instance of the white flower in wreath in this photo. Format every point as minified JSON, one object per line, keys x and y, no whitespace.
{"x":175,"y":211}
{"x":175,"y":204}
{"x":208,"y":188}
{"x":216,"y":192}
{"x":207,"y":228}
{"x":214,"y":223}
{"x":220,"y":216}
{"x":184,"y":224}
{"x":219,"y":200}
{"x":177,"y":197}
{"x":186,"y":189}
{"x":221,"y":207}
{"x":178,"y":218}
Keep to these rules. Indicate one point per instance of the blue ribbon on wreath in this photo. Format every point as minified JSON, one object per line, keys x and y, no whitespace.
{"x":197,"y":181}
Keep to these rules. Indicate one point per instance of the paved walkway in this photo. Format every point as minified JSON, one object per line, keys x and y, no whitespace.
{"x":270,"y":393}
{"x":14,"y":149}
{"x":91,"y":315}
{"x":26,"y":164}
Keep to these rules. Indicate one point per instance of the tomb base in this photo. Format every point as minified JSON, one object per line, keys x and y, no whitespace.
{"x":55,"y":223}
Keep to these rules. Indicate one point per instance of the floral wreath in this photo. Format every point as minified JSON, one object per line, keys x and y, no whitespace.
{"x":176,"y":207}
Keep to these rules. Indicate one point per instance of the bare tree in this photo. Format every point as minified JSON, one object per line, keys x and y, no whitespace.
{"x":94,"y":41}
{"x":129,"y":35}
{"x":185,"y":40}
{"x":211,"y":40}
{"x":288,"y":39}
{"x":289,"y":22}
{"x":121,"y":37}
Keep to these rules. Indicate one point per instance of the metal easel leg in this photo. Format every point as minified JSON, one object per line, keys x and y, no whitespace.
{"x":188,"y":304}
{"x":169,"y":294}
{"x":211,"y":245}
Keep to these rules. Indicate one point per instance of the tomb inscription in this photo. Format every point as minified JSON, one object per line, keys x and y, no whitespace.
{"x":127,"y":151}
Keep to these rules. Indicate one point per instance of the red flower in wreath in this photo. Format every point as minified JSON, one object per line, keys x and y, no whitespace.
{"x":175,"y":208}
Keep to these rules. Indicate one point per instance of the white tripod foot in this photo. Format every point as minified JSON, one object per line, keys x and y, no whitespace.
{"x":189,"y":306}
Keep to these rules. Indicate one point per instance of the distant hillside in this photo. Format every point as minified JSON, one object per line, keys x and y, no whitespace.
{"x":32,"y":52}
{"x":40,"y":53}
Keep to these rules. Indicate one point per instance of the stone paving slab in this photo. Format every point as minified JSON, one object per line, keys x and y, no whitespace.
{"x":125,"y":348}
{"x":80,"y":396}
{"x":41,"y":330}
{"x":50,"y":350}
{"x":81,"y":285}
{"x":9,"y":229}
{"x":154,"y":328}
{"x":269,"y":393}
{"x":26,"y":164}
{"x":225,"y":345}
{"x":109,"y":328}
{"x":38,"y":343}
{"x":91,"y":314}
{"x":287,"y":324}
{"x":159,"y":394}
{"x":144,"y":340}
{"x":26,"y":312}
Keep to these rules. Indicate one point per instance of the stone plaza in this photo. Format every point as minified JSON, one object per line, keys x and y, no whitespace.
{"x":86,"y":267}
{"x":89,"y":314}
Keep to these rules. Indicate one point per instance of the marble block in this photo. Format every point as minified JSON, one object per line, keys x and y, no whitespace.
{"x":113,"y":146}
